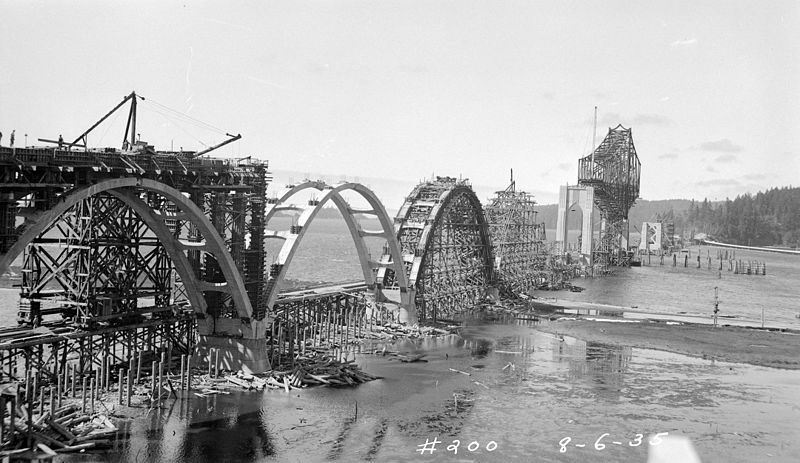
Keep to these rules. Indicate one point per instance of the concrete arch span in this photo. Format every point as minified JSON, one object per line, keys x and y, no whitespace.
{"x":294,"y":236}
{"x":128,"y":190}
{"x":444,"y":238}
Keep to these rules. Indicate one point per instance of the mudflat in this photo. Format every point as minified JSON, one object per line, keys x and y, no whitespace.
{"x":756,"y":346}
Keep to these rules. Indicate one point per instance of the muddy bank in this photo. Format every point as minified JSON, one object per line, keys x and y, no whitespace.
{"x":727,"y":343}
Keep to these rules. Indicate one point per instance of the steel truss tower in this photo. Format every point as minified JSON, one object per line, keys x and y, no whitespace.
{"x":614,"y":171}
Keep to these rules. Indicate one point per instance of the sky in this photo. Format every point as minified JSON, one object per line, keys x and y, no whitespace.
{"x":397,"y":91}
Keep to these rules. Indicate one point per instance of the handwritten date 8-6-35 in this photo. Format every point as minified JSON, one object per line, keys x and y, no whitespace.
{"x":603,"y":441}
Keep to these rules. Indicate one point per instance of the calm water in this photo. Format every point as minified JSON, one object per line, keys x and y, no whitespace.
{"x":671,"y":290}
{"x":528,"y":397}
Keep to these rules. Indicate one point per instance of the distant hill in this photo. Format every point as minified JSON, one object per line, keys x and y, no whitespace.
{"x":767,"y":218}
{"x":642,"y":211}
{"x":329,"y":213}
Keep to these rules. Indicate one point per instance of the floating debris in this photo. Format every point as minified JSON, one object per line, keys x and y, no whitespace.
{"x":66,"y":429}
{"x":309,"y":370}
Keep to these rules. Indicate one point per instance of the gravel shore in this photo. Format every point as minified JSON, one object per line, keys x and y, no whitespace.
{"x":771,"y":348}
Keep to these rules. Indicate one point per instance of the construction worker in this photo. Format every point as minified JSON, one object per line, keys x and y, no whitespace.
{"x":60,"y":141}
{"x":12,"y":138}
{"x":1,"y":138}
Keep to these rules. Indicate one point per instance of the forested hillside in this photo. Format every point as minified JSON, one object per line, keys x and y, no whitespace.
{"x":771,"y":217}
{"x":767,"y":218}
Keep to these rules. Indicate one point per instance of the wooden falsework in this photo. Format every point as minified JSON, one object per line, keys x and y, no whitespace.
{"x":520,"y":252}
{"x":90,"y":233}
{"x":444,"y":240}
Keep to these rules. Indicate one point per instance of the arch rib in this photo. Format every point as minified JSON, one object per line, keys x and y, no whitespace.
{"x":292,"y":240}
{"x":214,"y":242}
{"x":428,"y":211}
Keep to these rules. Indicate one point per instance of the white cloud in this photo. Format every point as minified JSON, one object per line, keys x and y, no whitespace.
{"x":723,"y":145}
{"x":684,"y":43}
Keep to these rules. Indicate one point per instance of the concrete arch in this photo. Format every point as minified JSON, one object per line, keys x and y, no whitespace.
{"x":425,"y":245}
{"x":293,"y":237}
{"x":121,"y":188}
{"x":426,"y":210}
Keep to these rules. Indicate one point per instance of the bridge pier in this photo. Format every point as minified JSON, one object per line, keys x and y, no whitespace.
{"x":247,"y":355}
{"x":241,"y":345}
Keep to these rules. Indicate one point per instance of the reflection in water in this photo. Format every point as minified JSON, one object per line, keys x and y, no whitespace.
{"x":524,"y":381}
{"x":601,"y":366}
{"x":217,"y":440}
{"x":480,"y":348}
{"x":201,"y":432}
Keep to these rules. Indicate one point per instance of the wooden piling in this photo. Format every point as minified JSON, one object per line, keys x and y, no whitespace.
{"x":296,"y":331}
{"x":183,"y":370}
{"x":153,"y":377}
{"x":108,"y":375}
{"x":139,"y":368}
{"x":291,"y":346}
{"x":188,"y":373}
{"x":55,"y":360}
{"x":129,"y":390}
{"x":92,"y":391}
{"x":328,"y":325}
{"x":347,"y":323}
{"x":160,"y":381}
{"x":119,"y":385}
{"x":216,"y":363}
{"x":35,"y":378}
{"x":83,"y":396}
{"x":52,"y":403}
{"x":41,"y":401}
{"x":58,"y":386}
{"x":303,"y":330}
{"x":169,"y":359}
{"x":131,"y":365}
{"x":73,"y":383}
{"x":2,"y":418}
{"x":280,"y":344}
{"x":13,"y":415}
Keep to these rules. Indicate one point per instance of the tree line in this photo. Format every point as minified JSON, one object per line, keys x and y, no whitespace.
{"x":767,"y":218}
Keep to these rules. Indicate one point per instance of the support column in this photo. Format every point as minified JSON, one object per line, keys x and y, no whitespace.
{"x":242,"y":344}
{"x":584,"y":197}
{"x":587,"y":205}
{"x":561,"y":223}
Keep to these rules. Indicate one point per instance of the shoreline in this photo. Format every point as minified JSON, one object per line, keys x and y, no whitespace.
{"x":735,"y":344}
{"x":788,"y":251}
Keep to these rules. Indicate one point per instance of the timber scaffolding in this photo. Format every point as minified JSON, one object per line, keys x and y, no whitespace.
{"x":101,"y":233}
{"x":328,"y":320}
{"x":520,"y":252}
{"x":444,"y":240}
{"x":91,"y":237}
